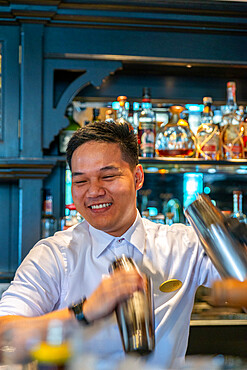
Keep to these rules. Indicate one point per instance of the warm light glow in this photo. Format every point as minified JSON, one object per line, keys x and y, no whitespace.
{"x":163,"y":171}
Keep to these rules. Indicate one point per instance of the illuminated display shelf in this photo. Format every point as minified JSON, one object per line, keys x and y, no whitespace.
{"x":173,"y":165}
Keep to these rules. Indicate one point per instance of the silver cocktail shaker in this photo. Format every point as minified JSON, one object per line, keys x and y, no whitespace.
{"x":223,"y":240}
{"x":135,"y":315}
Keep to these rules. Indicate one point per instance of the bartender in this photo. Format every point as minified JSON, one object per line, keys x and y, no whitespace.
{"x":66,"y":276}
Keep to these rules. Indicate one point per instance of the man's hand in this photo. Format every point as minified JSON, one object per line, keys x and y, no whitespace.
{"x":112,"y":290}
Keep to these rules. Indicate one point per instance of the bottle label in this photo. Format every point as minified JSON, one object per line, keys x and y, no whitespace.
{"x":144,"y":120}
{"x":236,"y":149}
{"x":209,"y":149}
{"x":48,"y":206}
{"x":147,"y":139}
{"x":244,"y":128}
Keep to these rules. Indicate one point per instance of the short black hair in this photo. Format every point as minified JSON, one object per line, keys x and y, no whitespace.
{"x":110,"y":133}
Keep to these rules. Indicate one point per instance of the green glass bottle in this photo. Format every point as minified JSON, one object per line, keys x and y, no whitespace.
{"x":66,"y":134}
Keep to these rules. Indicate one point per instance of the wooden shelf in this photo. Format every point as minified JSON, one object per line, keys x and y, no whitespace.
{"x":183,"y":165}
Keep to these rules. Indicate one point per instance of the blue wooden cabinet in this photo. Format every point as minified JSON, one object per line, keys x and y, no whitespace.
{"x":127,"y":44}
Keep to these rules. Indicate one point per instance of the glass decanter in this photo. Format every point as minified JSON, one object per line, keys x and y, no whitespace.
{"x":175,"y":139}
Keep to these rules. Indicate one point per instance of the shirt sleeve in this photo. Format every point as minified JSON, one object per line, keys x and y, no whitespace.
{"x":36,"y":287}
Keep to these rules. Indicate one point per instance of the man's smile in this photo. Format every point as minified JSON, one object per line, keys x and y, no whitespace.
{"x":100,"y":206}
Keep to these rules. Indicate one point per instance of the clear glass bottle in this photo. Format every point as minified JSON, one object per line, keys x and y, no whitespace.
{"x":231,"y":131}
{"x":147,"y":126}
{"x":175,"y":138}
{"x":238,"y":207}
{"x":131,"y":118}
{"x":122,"y":113}
{"x":48,"y":221}
{"x":208,"y":134}
{"x":66,"y":134}
{"x":72,"y":217}
{"x":109,"y":116}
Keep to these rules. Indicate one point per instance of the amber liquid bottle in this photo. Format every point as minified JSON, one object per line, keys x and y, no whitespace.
{"x":231,"y":131}
{"x":175,"y":139}
{"x":48,"y":221}
{"x":208,"y":134}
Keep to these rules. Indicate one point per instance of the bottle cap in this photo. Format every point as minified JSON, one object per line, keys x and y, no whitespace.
{"x":237,"y":192}
{"x":121,"y":99}
{"x":231,"y":84}
{"x":146,"y":94}
{"x":71,"y":207}
{"x":207,"y":100}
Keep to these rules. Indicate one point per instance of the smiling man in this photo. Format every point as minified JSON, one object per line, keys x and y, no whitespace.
{"x":104,"y":186}
{"x":66,"y":276}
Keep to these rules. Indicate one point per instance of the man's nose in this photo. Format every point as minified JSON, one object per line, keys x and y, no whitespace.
{"x":95,"y":189}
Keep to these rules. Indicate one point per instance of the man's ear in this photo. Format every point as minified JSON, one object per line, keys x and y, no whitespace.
{"x":139,"y":177}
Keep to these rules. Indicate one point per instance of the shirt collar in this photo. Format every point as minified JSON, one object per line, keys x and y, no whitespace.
{"x":134,"y":235}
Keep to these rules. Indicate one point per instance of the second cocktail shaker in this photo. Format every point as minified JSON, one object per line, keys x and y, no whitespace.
{"x":219,"y":237}
{"x":135,"y":315}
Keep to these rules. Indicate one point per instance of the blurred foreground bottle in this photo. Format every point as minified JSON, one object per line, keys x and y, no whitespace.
{"x":48,"y":221}
{"x":54,"y":352}
{"x":231,"y":131}
{"x":238,"y":207}
{"x":66,"y":134}
{"x":147,"y":126}
{"x":175,"y":139}
{"x":208,"y":134}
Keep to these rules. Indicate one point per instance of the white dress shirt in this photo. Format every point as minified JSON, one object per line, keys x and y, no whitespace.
{"x":62,"y":269}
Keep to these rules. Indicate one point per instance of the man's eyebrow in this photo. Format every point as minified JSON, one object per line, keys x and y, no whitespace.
{"x":106,"y":168}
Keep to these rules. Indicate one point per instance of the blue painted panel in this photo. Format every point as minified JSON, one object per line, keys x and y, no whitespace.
{"x":9,"y":226}
{"x":31,"y":90}
{"x":30,"y":214}
{"x":172,"y":45}
{"x":9,"y":36}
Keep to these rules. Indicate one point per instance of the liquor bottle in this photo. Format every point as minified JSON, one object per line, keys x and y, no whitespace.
{"x":243,"y":127}
{"x":238,"y":207}
{"x":208,"y":134}
{"x":72,"y":217}
{"x":96,"y":113}
{"x":147,"y":126}
{"x":131,"y":119}
{"x":109,"y":116}
{"x":174,"y":207}
{"x":54,"y":352}
{"x":175,"y":138}
{"x":48,"y":221}
{"x":231,"y":132}
{"x":66,"y":134}
{"x":122,"y":113}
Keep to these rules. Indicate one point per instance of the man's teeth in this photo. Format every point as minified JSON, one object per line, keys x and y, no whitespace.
{"x":102,"y":205}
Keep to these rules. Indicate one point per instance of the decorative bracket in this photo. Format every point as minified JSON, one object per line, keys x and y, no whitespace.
{"x":93,"y":72}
